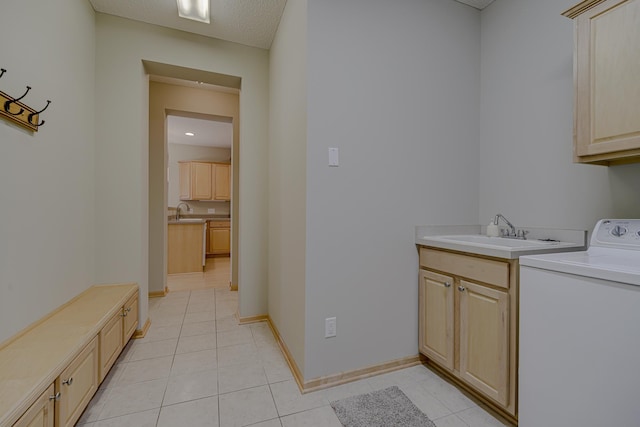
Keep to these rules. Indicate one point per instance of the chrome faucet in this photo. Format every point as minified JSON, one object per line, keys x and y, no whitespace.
{"x":512,"y":230}
{"x":178,"y":209}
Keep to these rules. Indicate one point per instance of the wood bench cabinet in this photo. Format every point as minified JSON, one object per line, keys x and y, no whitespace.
{"x":41,"y":412}
{"x":116,"y":333}
{"x":468,"y":322}
{"x":50,"y":371}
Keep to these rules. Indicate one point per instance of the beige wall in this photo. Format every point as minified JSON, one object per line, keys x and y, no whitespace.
{"x":122,"y":175}
{"x":287,"y":178}
{"x":47,"y":225}
{"x":180,"y":152}
{"x":165,"y":98}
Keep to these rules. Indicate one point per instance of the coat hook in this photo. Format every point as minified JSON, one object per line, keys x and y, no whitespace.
{"x":2,"y":71}
{"x":7,"y":104}
{"x":38,"y":112}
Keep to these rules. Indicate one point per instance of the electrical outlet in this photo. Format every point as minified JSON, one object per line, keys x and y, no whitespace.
{"x":330,"y":327}
{"x":211,"y":210}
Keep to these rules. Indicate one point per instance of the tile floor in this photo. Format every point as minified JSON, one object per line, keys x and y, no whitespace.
{"x":197,"y":368}
{"x":216,"y":274}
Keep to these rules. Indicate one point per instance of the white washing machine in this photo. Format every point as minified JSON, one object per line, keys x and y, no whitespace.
{"x":579,"y":362}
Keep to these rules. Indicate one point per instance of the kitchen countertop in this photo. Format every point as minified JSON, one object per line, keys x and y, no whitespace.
{"x":566,"y":240}
{"x":203,"y":217}
{"x":189,"y":221}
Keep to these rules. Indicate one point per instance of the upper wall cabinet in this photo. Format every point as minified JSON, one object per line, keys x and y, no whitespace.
{"x":221,"y":175}
{"x":205,"y":181}
{"x":607,"y":81}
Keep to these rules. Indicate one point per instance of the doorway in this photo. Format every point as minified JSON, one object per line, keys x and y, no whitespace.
{"x":173,"y":96}
{"x":199,"y":152}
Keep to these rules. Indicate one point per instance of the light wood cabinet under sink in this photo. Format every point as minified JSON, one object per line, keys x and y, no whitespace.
{"x":468,"y":311}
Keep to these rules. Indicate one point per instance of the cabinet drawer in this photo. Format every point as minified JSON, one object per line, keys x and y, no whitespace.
{"x":77,"y":384}
{"x":219,"y":224}
{"x":479,"y":269}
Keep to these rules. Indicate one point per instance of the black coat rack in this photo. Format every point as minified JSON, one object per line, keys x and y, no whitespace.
{"x":14,"y":110}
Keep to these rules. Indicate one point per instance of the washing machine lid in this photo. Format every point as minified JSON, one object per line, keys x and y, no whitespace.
{"x":614,"y":254}
{"x":616,"y":265}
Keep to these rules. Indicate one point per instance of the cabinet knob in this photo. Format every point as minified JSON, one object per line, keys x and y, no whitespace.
{"x":55,"y":396}
{"x":447,"y":284}
{"x":123,"y":314}
{"x":461,"y":288}
{"x":128,"y":309}
{"x":68,"y":382}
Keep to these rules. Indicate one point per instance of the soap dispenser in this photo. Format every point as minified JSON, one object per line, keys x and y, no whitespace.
{"x":493,"y":230}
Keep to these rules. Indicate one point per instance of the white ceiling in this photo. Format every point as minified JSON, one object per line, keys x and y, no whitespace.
{"x":209,"y":133}
{"x":478,"y":4}
{"x":249,"y":22}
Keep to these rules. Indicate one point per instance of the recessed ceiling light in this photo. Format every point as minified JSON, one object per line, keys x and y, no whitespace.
{"x":197,"y":10}
{"x":189,"y":133}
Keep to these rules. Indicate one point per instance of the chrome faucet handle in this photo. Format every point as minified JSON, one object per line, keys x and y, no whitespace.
{"x":505,"y":232}
{"x":522,"y":234}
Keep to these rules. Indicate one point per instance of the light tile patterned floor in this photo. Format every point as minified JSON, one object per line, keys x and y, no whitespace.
{"x":216,"y":274}
{"x":198,"y":368}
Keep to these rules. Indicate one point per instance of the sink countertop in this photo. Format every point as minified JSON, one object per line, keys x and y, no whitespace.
{"x":435,"y":236}
{"x":188,"y":221}
{"x":204,"y":217}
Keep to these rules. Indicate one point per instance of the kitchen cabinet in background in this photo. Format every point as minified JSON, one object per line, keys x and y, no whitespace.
{"x":205,"y":181}
{"x":195,"y":181}
{"x":222,"y":181}
{"x":468,"y":322}
{"x":606,"y":82}
{"x":219,"y":238}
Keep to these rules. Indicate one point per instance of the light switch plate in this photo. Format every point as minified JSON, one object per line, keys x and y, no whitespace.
{"x":333,"y":157}
{"x":330,"y":327}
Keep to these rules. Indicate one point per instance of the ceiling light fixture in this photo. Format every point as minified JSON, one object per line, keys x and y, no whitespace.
{"x":197,"y":10}
{"x":189,"y":133}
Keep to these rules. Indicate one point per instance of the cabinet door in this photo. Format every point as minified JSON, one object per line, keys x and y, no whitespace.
{"x":436,"y":311}
{"x":607,"y":85}
{"x":201,"y":181}
{"x":130,"y":312}
{"x":40,"y":413}
{"x":110,"y":338}
{"x":220,"y":240}
{"x":222,"y":182}
{"x":77,"y":384}
{"x":185,"y":180}
{"x":484,"y":339}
